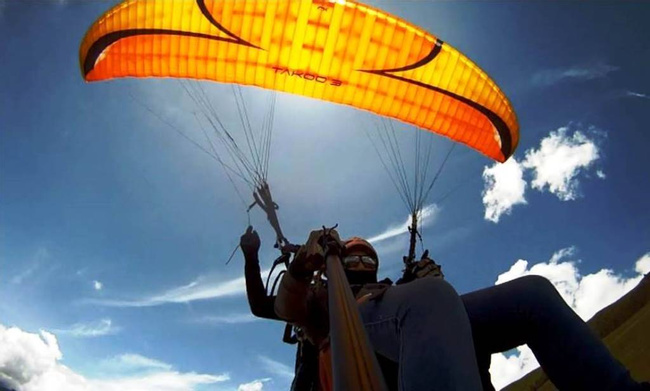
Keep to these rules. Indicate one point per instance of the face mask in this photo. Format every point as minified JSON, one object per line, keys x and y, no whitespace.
{"x":361,"y":277}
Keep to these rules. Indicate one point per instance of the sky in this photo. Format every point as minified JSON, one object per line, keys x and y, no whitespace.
{"x":115,"y":231}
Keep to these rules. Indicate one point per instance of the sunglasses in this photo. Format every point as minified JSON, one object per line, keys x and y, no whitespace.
{"x":352,"y":260}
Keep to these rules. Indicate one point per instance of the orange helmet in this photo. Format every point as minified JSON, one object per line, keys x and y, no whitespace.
{"x":359,"y":244}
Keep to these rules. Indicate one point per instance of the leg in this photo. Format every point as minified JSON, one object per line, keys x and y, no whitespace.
{"x":306,"y":369}
{"x":423,"y":326}
{"x":530,"y":311}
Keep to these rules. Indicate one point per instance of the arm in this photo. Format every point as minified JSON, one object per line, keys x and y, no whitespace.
{"x":297,"y":302}
{"x":294,"y":294}
{"x":260,"y":304}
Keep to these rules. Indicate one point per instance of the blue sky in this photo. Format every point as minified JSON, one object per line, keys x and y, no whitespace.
{"x":114,"y":231}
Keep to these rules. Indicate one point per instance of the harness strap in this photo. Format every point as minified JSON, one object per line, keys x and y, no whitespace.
{"x":288,"y":336}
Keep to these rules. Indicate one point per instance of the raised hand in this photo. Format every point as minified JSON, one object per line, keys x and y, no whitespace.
{"x":250,"y":242}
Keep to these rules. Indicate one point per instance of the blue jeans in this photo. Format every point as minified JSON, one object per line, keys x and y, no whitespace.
{"x":443,"y":341}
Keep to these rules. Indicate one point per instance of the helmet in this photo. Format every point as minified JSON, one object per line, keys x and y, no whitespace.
{"x":359,"y":244}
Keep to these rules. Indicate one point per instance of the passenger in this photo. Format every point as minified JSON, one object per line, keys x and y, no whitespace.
{"x":443,"y":341}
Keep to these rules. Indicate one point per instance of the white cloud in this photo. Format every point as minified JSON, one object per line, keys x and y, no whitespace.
{"x":26,"y":355}
{"x":575,"y":73}
{"x":200,"y":289}
{"x":138,"y":361}
{"x":506,"y":369}
{"x":18,"y":279}
{"x":31,"y":362}
{"x":388,"y":250}
{"x":642,"y":265}
{"x":504,"y":188}
{"x":40,"y":256}
{"x":556,"y":166}
{"x":426,"y":217}
{"x":93,"y":329}
{"x":391,"y":251}
{"x":559,"y":160}
{"x":160,"y":381}
{"x":276,"y":367}
{"x":228,"y":319}
{"x":97,"y":285}
{"x":255,"y":385}
{"x":130,"y":364}
{"x":559,"y":255}
{"x":252,"y":386}
{"x":585,"y":294}
{"x":637,"y":95}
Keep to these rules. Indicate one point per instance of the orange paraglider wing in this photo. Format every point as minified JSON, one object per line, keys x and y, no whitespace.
{"x":339,"y":51}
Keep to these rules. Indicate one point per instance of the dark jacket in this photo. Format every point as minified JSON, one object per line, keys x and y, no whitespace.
{"x":262,"y":305}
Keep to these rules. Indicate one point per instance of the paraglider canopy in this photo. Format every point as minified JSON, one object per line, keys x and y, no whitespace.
{"x":339,"y":51}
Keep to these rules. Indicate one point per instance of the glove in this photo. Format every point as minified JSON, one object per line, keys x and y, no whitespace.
{"x":250,"y":242}
{"x":422,"y":268}
{"x":311,"y":256}
{"x":427,"y":267}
